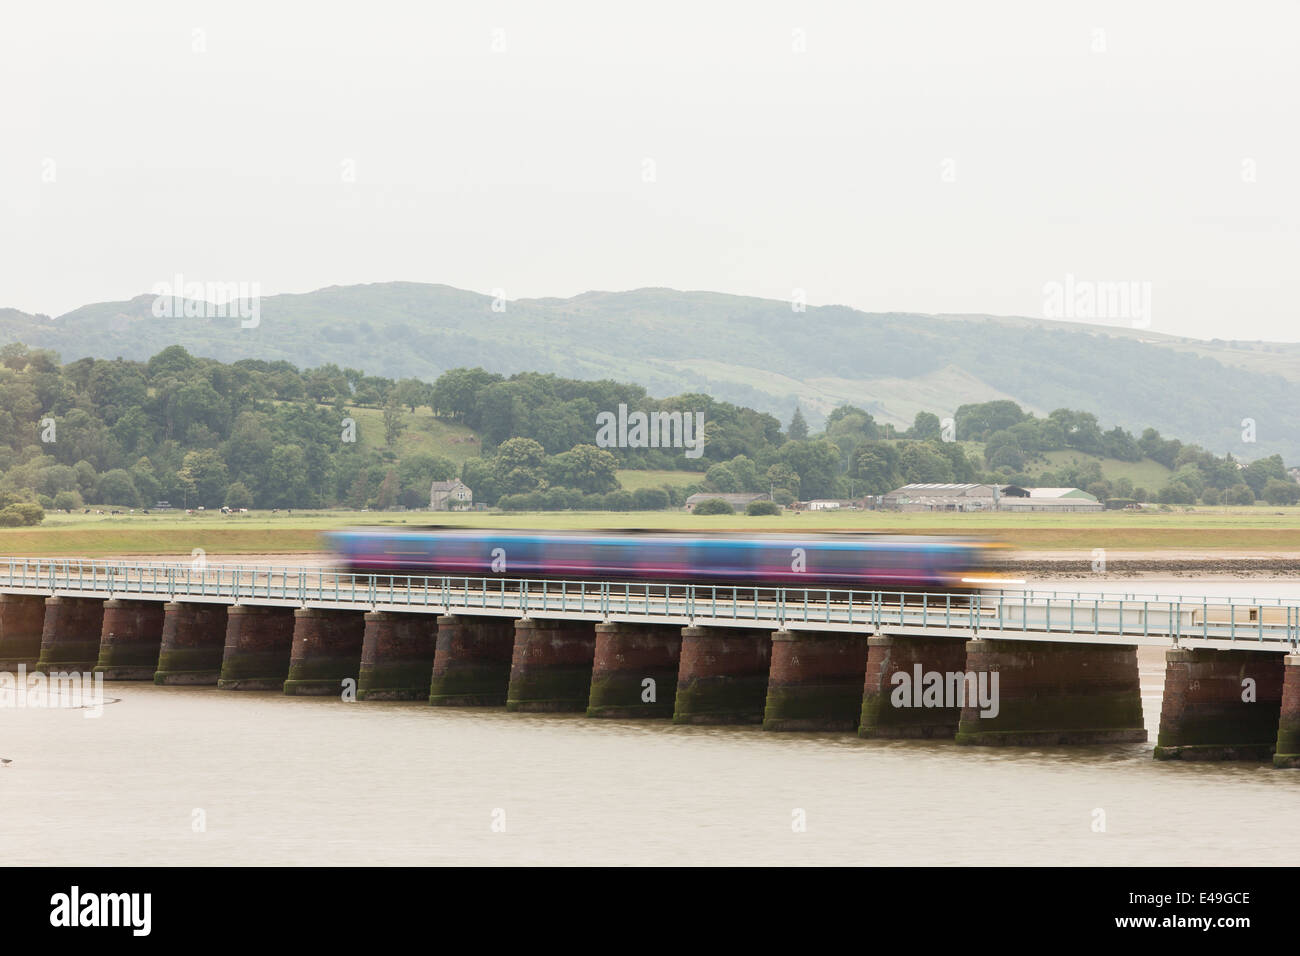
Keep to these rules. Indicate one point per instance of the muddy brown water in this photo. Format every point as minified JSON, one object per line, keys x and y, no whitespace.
{"x":173,"y":775}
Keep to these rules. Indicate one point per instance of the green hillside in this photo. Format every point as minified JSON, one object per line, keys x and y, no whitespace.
{"x":749,"y":351}
{"x":423,"y":434}
{"x":266,"y":435}
{"x":1143,"y":474}
{"x":632,"y":480}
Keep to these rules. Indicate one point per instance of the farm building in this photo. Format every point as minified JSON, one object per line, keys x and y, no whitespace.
{"x":450,"y":496}
{"x":1051,"y":499}
{"x":980,"y":497}
{"x":935,"y":496}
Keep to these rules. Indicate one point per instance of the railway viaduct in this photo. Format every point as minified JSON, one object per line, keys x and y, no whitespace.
{"x":1014,"y":668}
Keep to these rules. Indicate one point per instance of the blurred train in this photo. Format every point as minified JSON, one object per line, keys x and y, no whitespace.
{"x":864,"y":561}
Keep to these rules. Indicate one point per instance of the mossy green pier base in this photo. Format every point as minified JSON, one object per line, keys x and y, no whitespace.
{"x":723,"y":675}
{"x":471,"y":666}
{"x":326,"y":651}
{"x":397,"y":654}
{"x":1220,"y":705}
{"x":815,"y":681}
{"x":22,"y":616}
{"x":550,"y":669}
{"x":259,"y":641}
{"x":1288,"y":727}
{"x":70,"y":634}
{"x":130,"y":640}
{"x":634,"y":675}
{"x":193,"y":640}
{"x":888,"y":655}
{"x":1053,"y":693}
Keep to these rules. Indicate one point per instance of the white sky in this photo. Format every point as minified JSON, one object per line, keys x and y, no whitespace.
{"x":774,"y":169}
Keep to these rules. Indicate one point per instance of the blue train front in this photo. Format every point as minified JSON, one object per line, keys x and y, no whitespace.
{"x":879,"y":561}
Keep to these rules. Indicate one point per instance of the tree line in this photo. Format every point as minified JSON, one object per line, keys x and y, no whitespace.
{"x":253,"y":434}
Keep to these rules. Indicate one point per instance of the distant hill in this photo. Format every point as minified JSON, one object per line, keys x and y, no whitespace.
{"x":750,"y":351}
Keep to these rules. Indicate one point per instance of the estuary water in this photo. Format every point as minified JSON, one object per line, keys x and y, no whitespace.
{"x":197,"y":776}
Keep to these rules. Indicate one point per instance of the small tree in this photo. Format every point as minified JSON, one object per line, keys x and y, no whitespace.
{"x":393,"y":424}
{"x":763,"y":508}
{"x":798,"y":430}
{"x":1176,"y":493}
{"x":359,"y":493}
{"x":388,"y":489}
{"x":649,"y":499}
{"x":782,"y":476}
{"x":238,"y":496}
{"x":618,"y":500}
{"x":68,"y":501}
{"x":116,"y":487}
{"x":20,"y":514}
{"x":714,"y":506}
{"x":1239,"y":495}
{"x":1278,"y":492}
{"x":926,"y":426}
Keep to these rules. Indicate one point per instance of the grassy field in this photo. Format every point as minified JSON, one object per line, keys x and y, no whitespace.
{"x":631,"y":480}
{"x":1203,"y":529}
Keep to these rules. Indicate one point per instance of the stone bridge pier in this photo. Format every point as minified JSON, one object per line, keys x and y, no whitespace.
{"x":471,"y":666}
{"x":722,"y":678}
{"x":1288,"y":729}
{"x":1053,"y":693}
{"x":130,"y":639}
{"x":397,"y":653}
{"x":895,"y":672}
{"x":193,"y":639}
{"x":1222,"y":705}
{"x":634,"y":674}
{"x":550,"y":669}
{"x":70,"y":634}
{"x":326,"y":651}
{"x":22,"y":617}
{"x":815,"y":681}
{"x":259,"y":641}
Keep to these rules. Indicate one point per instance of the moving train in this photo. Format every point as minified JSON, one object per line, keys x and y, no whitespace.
{"x":883,"y":561}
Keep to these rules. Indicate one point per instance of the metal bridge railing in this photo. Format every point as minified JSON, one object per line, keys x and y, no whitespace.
{"x":1055,"y":615}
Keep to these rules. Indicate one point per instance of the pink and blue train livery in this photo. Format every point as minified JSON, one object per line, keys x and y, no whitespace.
{"x":880,"y":561}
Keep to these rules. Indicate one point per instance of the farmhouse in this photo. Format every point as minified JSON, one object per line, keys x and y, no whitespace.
{"x":450,"y":496}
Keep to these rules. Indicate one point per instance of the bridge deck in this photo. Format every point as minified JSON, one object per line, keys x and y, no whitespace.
{"x":1013,"y":615}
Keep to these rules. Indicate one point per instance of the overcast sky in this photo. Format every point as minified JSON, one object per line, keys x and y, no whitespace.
{"x":930,"y":157}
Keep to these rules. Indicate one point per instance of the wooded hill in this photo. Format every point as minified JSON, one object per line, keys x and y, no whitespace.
{"x":252,"y":433}
{"x":754,"y":352}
